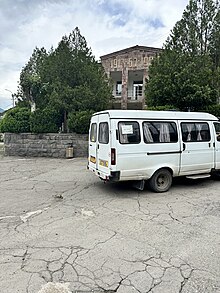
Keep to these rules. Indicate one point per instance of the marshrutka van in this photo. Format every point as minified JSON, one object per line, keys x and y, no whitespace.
{"x":153,"y":146}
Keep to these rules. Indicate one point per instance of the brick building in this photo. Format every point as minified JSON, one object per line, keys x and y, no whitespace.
{"x":128,"y":70}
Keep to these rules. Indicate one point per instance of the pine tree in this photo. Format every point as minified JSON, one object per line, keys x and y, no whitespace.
{"x":67,"y":78}
{"x":185,"y":76}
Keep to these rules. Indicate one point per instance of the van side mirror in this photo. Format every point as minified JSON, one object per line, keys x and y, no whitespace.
{"x":218,"y":137}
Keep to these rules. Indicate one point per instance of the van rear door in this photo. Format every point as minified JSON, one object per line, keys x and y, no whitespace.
{"x":103,"y":146}
{"x":99,"y":145}
{"x":93,"y":136}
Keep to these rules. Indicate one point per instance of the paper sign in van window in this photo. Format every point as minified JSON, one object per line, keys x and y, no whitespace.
{"x":127,"y":129}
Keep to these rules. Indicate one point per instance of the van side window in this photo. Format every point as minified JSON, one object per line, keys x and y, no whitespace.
{"x":93,"y":132}
{"x":194,"y":132}
{"x":159,"y":132}
{"x":103,"y":133}
{"x":129,"y":132}
{"x":217,"y":130}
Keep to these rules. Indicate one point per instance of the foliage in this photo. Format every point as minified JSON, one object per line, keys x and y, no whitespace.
{"x":193,"y":33}
{"x":31,"y":85}
{"x":181,"y":80}
{"x":16,"y":120}
{"x":79,"y":121}
{"x":161,"y":108}
{"x":186,"y":75}
{"x":214,"y":110}
{"x":46,"y":120}
{"x":66,"y":78}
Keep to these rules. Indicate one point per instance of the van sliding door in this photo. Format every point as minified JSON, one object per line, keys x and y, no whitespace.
{"x":197,"y":148}
{"x":217,"y":145}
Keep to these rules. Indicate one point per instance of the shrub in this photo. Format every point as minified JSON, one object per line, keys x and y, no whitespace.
{"x":46,"y":120}
{"x":214,"y":110}
{"x":162,"y":108}
{"x":79,"y":121}
{"x":16,"y":120}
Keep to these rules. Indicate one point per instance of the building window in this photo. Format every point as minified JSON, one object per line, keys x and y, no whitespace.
{"x":145,"y":60}
{"x":130,"y":62}
{"x":115,"y":62}
{"x":118,"y":88}
{"x":135,"y":62}
{"x":137,"y":89}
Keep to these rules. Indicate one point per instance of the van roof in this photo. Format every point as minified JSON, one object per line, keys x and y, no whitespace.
{"x":147,"y":114}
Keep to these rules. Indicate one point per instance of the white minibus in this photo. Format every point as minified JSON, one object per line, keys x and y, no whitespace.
{"x":156,"y":146}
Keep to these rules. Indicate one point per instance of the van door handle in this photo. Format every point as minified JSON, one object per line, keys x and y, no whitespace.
{"x":184,"y":146}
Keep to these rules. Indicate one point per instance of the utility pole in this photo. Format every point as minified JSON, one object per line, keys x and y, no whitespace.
{"x":12,"y":97}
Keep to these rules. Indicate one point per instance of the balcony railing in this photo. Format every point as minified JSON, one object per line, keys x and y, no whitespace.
{"x":132,"y":95}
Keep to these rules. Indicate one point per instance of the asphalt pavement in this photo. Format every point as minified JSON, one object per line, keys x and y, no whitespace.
{"x":60,"y":224}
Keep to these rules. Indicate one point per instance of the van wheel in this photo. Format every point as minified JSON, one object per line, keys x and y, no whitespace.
{"x":161,"y":181}
{"x":215,"y":175}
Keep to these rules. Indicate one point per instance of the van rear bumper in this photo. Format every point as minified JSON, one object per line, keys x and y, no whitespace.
{"x":113,"y":176}
{"x":100,"y":174}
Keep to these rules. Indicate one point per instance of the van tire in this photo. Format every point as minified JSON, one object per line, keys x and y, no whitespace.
{"x":215,"y":175}
{"x":161,"y":180}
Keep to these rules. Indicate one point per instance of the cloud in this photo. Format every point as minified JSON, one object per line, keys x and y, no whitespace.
{"x":107,"y":25}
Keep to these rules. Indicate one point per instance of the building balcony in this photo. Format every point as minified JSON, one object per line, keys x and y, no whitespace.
{"x":133,"y":95}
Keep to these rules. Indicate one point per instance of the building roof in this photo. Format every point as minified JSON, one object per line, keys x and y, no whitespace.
{"x":127,"y":50}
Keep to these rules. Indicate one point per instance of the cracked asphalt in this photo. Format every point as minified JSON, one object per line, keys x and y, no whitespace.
{"x":60,"y":223}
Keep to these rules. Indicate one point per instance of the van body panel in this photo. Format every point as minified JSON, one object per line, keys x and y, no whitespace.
{"x":195,"y":150}
{"x":142,"y":165}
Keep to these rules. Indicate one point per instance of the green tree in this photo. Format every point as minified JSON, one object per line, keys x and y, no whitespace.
{"x":77,"y":81}
{"x":182,"y":81}
{"x":31,"y":86}
{"x":79,"y":121}
{"x":184,"y":75}
{"x":67,"y":78}
{"x":194,"y":32}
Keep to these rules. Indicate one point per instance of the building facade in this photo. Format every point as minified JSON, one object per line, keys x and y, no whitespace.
{"x":128,"y":70}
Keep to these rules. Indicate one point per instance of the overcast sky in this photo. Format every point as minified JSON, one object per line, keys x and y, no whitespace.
{"x":107,"y":25}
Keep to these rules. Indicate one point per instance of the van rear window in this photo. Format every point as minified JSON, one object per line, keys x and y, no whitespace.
{"x":93,"y":132}
{"x":129,"y":132}
{"x":103,"y":133}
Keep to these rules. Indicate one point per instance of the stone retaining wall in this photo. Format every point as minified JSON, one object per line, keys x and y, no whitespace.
{"x":45,"y":145}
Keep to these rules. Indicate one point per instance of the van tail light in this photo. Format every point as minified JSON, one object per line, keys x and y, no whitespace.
{"x":113,"y":156}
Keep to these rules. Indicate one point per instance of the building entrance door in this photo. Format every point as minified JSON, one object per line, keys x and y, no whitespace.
{"x":137,"y":90}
